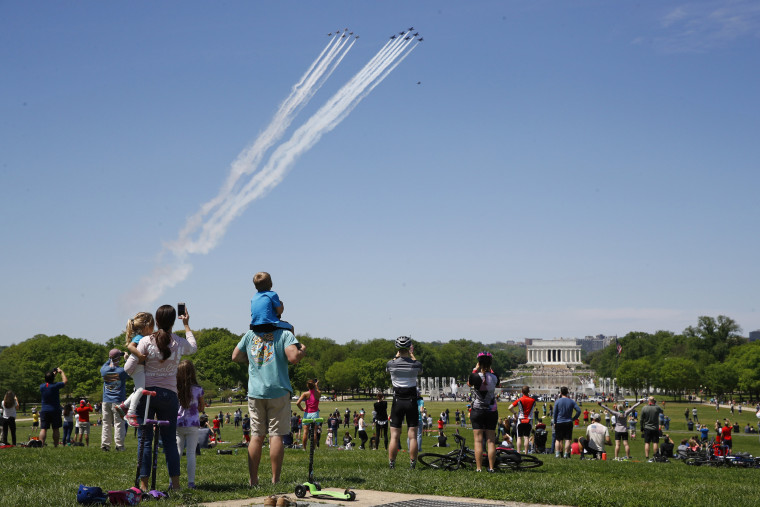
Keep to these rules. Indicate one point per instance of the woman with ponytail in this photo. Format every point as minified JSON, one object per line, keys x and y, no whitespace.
{"x":163,"y":351}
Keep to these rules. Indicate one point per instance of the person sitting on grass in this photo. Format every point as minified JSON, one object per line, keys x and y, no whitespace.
{"x":666,"y":449}
{"x":348,"y":442}
{"x":575,"y":447}
{"x":597,"y":435}
{"x":442,"y":440}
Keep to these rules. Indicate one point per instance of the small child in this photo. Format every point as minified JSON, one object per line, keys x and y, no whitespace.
{"x":191,"y":403}
{"x":138,"y":327}
{"x":247,"y":428}
{"x":266,"y":307}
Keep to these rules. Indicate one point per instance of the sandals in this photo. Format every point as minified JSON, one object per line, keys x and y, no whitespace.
{"x":282,"y":501}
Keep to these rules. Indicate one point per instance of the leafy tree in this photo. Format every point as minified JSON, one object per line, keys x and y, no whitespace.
{"x":635,"y":374}
{"x":717,"y":335}
{"x":720,"y":378}
{"x":677,"y":374}
{"x":213,"y":361}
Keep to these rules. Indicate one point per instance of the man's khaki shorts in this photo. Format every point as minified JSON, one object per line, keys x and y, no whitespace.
{"x":84,"y":428}
{"x":272,"y":415}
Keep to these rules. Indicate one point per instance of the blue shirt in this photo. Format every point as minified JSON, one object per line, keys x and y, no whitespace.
{"x":114,"y":383}
{"x":51,"y":400}
{"x":263,"y":306}
{"x":267,"y":364}
{"x":563,"y":410}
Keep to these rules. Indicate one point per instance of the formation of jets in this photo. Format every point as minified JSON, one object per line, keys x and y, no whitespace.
{"x":408,"y":34}
{"x":343,"y":35}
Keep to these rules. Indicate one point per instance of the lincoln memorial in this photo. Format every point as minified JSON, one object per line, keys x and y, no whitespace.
{"x":553,"y":352}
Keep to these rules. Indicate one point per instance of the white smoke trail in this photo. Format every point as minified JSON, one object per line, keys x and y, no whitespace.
{"x":248,"y":160}
{"x":231,"y":201}
{"x":323,"y":121}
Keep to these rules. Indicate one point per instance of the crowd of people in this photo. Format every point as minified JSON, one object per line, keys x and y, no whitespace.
{"x":169,"y":386}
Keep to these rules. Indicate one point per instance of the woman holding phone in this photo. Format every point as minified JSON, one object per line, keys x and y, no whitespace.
{"x":163,"y":351}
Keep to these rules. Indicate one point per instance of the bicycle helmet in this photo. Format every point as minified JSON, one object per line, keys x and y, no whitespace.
{"x":403,"y":342}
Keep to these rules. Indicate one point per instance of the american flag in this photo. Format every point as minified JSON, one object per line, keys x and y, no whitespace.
{"x":619,"y":348}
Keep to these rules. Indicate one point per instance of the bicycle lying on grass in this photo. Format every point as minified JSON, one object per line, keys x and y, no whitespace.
{"x":463,"y":457}
{"x":717,"y":455}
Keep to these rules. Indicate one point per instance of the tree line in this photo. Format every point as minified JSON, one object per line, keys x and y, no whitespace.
{"x":711,"y":357}
{"x":351,"y":367}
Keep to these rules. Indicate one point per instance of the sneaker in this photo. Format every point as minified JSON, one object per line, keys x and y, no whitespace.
{"x":106,"y":449}
{"x":191,"y":485}
{"x":392,"y":464}
{"x":121,"y":409}
{"x":491,"y":471}
{"x":284,"y":501}
{"x":412,"y":464}
{"x":132,"y":420}
{"x":650,"y":460}
{"x":270,"y":501}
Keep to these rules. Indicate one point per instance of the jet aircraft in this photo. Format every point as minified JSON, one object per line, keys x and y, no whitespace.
{"x":411,"y":28}
{"x":407,"y":38}
{"x":393,"y":36}
{"x":416,"y":34}
{"x":420,"y":39}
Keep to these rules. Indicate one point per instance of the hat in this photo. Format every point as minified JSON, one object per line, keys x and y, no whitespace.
{"x":82,"y":403}
{"x":115,"y":353}
{"x":597,"y":417}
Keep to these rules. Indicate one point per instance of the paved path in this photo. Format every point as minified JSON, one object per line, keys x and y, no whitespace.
{"x":370,"y":498}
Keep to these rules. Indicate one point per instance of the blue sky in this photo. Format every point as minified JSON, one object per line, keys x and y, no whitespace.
{"x":563,"y":169}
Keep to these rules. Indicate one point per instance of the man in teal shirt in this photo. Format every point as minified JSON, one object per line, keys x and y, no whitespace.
{"x":269,"y":391}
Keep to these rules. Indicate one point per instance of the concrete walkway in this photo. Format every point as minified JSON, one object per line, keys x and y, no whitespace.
{"x":370,"y":498}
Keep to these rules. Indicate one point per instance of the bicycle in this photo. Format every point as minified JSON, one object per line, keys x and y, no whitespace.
{"x":464,"y":457}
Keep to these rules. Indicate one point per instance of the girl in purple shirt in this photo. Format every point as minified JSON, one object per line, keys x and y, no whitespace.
{"x":191,"y":404}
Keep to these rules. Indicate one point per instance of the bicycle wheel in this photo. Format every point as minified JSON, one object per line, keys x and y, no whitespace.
{"x":438,"y":461}
{"x":529,"y":461}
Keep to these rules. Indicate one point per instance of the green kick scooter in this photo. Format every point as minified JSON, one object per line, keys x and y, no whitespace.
{"x":312,"y":486}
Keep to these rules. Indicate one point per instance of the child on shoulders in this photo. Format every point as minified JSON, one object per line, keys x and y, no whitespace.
{"x":266,"y":307}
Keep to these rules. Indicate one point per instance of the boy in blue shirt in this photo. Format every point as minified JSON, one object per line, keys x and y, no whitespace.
{"x":266,"y":307}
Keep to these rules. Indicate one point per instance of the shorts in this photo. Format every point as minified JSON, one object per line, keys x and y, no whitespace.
{"x":729,"y":443}
{"x":311,"y":415}
{"x":50,"y":419}
{"x":84,"y":428}
{"x":270,"y":416}
{"x":523,"y":429}
{"x":484,"y":419}
{"x":651,"y":436}
{"x":563,"y":431}
{"x":404,"y":409}
{"x":621,"y":435}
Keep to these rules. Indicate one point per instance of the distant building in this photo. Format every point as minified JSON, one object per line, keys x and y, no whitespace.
{"x":754,"y":335}
{"x":594,"y":343}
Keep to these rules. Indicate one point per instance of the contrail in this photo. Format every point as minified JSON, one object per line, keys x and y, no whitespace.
{"x":249,"y":159}
{"x":232,"y":198}
{"x":323,"y":121}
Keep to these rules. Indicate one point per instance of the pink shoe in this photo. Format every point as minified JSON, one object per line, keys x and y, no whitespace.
{"x":121,"y":409}
{"x":132,"y":420}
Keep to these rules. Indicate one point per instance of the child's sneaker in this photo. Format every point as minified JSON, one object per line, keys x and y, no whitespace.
{"x":391,"y":465}
{"x":121,"y":409}
{"x":132,"y":420}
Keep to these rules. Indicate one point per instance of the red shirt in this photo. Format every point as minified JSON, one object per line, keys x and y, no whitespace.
{"x":585,"y":415}
{"x":725,"y":433}
{"x":440,"y":424}
{"x":216,"y":424}
{"x":84,"y":413}
{"x":526,"y":409}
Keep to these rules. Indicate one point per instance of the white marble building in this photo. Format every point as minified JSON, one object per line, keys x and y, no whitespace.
{"x":554,"y":353}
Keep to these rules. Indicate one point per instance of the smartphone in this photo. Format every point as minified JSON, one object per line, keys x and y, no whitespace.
{"x":181,"y":309}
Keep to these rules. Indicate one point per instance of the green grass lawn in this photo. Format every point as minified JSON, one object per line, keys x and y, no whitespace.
{"x":51,"y":476}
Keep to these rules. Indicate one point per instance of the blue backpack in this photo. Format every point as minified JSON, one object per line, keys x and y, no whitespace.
{"x":90,"y":495}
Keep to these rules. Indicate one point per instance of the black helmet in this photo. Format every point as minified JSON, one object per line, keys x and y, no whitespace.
{"x":403,"y":342}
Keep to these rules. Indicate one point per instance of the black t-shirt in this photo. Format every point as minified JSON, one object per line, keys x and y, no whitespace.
{"x":381,"y":409}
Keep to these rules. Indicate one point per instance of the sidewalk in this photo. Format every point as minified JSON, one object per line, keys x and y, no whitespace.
{"x":370,"y":498}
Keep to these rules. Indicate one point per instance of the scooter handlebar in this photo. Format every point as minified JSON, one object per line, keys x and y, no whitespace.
{"x":158,"y":423}
{"x":148,"y":393}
